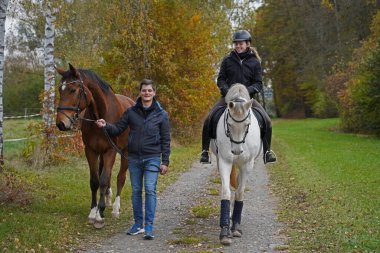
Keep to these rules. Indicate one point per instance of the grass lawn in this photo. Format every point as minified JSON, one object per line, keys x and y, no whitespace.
{"x":328,"y":184}
{"x":50,"y":205}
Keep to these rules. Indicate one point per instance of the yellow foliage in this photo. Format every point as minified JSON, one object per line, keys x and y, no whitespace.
{"x":177,"y":51}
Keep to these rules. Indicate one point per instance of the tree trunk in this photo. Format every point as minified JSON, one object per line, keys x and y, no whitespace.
{"x":3,"y":12}
{"x":48,"y":105}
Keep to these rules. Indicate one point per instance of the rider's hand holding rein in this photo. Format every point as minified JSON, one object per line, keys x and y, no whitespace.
{"x":101,"y":123}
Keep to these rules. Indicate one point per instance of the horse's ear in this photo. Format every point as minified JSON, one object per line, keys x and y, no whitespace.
{"x":231,"y":105}
{"x":73,"y":70}
{"x":59,"y":70}
{"x":248,"y":104}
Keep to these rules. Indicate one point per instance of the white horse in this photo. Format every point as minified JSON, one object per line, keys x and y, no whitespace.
{"x":236,"y":146}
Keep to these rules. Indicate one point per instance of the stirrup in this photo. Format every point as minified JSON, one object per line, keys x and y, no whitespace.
{"x":272,"y":158}
{"x":205,"y":158}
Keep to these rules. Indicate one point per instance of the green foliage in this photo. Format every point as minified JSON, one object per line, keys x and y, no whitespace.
{"x":363,"y":113}
{"x":328,"y":185}
{"x":22,"y":86}
{"x":324,"y":106}
{"x":360,"y":100}
{"x":300,"y":42}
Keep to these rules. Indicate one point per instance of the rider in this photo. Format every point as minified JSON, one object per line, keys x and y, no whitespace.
{"x":243,"y":66}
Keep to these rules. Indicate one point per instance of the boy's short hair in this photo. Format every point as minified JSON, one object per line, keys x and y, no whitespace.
{"x":146,"y":81}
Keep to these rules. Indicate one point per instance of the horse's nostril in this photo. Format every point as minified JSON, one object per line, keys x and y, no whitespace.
{"x":236,"y":152}
{"x":61,"y":126}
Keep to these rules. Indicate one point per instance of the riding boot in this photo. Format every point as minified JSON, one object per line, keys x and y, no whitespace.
{"x":269,"y":155}
{"x":205,"y":158}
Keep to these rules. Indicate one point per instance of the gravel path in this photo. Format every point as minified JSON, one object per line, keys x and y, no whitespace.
{"x":261,"y":231}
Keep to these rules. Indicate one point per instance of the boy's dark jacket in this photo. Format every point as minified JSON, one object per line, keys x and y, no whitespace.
{"x":149,"y":134}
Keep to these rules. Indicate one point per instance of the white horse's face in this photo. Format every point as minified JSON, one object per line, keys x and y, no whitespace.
{"x":238,"y":124}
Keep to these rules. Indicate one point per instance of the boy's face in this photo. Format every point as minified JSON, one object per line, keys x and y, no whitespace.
{"x":147,"y":93}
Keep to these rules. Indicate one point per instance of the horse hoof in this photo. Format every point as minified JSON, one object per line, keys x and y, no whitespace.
{"x":226,"y":240}
{"x":236,"y":230}
{"x":91,"y":220}
{"x":236,"y":233}
{"x":116,"y":215}
{"x":98,"y":224}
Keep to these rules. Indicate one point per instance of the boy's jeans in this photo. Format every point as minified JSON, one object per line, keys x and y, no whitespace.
{"x":144,"y":169}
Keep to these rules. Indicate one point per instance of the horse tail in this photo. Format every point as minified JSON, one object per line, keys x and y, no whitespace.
{"x":233,"y":177}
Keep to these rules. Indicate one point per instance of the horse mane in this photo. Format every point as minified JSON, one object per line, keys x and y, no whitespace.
{"x":237,"y":90}
{"x":105,"y":87}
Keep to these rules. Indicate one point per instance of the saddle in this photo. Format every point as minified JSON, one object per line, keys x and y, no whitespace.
{"x":215,"y":116}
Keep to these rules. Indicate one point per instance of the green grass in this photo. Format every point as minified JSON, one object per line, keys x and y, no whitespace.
{"x":204,"y":210}
{"x":52,"y":216}
{"x":329,"y":186}
{"x":16,"y":129}
{"x":189,"y":240}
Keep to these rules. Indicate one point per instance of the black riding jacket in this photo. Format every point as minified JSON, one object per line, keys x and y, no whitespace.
{"x":246,"y":71}
{"x":149,"y":134}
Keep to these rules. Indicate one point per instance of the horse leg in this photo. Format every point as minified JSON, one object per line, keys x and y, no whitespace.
{"x":109,"y":190}
{"x":225,"y":233}
{"x":238,"y":205}
{"x":108,"y":159}
{"x":94,"y":182}
{"x":121,"y":176}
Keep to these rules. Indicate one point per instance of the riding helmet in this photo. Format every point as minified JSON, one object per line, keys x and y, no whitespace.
{"x":242,"y":35}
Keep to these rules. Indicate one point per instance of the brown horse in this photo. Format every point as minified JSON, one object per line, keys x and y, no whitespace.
{"x":83,"y":91}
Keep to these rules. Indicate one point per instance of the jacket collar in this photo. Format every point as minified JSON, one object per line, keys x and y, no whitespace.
{"x":234,"y":55}
{"x":156,"y":106}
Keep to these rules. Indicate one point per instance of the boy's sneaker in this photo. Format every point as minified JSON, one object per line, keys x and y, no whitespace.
{"x":148,"y":233}
{"x":135,"y":230}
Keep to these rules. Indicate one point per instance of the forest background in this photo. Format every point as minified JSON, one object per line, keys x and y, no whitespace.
{"x":320,"y":57}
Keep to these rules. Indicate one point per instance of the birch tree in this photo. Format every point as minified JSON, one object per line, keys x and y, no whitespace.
{"x":3,"y":12}
{"x":49,"y":67}
{"x":48,"y":104}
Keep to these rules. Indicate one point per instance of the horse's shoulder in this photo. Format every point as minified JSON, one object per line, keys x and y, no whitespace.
{"x":125,"y":101}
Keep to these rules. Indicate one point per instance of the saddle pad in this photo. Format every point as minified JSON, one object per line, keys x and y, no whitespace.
{"x":215,"y":119}
{"x":259,"y":117}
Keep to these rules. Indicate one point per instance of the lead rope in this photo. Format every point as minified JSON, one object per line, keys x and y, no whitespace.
{"x":114,"y":146}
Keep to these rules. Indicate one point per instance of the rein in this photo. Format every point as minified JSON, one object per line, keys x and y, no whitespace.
{"x":227,"y":130}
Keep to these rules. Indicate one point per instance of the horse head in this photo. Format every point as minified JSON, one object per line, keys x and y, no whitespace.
{"x":238,"y":117}
{"x":74,"y":97}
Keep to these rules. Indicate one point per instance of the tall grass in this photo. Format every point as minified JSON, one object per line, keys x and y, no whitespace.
{"x":329,"y":186}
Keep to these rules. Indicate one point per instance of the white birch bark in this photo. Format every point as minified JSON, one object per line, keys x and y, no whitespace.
{"x":49,"y":68}
{"x":3,"y":12}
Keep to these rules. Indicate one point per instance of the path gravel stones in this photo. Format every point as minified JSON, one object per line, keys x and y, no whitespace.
{"x":174,"y":220}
